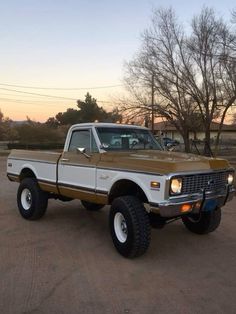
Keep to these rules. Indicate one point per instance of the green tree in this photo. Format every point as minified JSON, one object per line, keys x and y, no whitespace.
{"x":7,"y":131}
{"x":88,"y":111}
{"x":70,"y":116}
{"x":52,"y":122}
{"x":36,"y":132}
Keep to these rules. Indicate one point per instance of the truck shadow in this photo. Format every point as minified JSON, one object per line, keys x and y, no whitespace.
{"x":171,"y":242}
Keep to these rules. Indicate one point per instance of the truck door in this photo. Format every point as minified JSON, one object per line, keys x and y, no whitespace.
{"x":77,"y":171}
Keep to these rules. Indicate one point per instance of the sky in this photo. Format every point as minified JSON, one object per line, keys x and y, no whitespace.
{"x":49,"y":46}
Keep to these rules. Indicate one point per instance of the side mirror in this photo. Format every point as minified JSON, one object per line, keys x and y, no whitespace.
{"x":82,"y":151}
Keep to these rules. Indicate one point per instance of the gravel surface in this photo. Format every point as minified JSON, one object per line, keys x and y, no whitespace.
{"x":66,"y":263}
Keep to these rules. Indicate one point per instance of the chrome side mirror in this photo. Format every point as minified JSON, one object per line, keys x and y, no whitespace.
{"x":82,"y":151}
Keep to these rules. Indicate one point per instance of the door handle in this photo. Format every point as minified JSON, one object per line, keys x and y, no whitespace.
{"x":65,"y":159}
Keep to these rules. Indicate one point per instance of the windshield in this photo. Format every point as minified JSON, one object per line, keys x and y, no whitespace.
{"x":124,"y":138}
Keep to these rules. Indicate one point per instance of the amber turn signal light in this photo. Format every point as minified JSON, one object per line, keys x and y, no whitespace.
{"x":185,"y":208}
{"x":155,"y":184}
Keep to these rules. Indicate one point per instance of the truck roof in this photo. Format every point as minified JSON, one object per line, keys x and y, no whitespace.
{"x":102,"y":124}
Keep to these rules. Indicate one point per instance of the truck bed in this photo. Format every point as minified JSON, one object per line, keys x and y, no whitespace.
{"x":42,"y":164}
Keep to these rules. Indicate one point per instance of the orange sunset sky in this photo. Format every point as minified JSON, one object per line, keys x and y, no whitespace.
{"x":51,"y":47}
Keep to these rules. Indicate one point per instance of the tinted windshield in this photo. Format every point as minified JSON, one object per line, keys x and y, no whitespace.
{"x":123,"y":138}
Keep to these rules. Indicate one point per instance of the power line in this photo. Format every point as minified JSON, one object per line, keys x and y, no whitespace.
{"x":34,"y":102}
{"x":30,"y":98}
{"x":49,"y":101}
{"x":61,"y":88}
{"x":43,"y":95}
{"x":50,"y":96}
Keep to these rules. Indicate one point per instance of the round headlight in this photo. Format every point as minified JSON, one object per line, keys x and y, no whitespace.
{"x":230,"y":178}
{"x":176,"y":186}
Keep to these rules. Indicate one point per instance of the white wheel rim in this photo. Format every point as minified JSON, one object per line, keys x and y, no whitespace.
{"x":120,"y":227}
{"x":26,"y":199}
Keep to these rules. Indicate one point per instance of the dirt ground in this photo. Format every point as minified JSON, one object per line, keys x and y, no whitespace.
{"x":66,"y":263}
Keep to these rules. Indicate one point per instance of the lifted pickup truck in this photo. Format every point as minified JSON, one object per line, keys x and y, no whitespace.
{"x":144,"y":185}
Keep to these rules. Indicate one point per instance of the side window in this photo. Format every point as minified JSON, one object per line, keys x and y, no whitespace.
{"x":83,"y":139}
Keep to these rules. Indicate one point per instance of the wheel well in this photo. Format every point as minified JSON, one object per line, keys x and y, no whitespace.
{"x":126,"y":187}
{"x":27,"y":173}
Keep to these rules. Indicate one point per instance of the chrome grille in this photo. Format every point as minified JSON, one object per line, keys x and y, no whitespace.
{"x":209,"y":182}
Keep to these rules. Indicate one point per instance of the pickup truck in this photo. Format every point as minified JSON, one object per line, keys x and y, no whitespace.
{"x":145,"y":185}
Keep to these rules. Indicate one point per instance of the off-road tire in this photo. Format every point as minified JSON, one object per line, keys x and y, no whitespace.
{"x":203,"y":223}
{"x":138,"y":229}
{"x":92,"y":206}
{"x":31,"y":200}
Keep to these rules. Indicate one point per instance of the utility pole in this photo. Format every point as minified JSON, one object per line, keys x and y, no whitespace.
{"x":152,"y":104}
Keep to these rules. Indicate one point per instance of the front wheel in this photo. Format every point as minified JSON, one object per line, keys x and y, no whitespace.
{"x":204,"y":222}
{"x":129,"y":226}
{"x":31,"y":200}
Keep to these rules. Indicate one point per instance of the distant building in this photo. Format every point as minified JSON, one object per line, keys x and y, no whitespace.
{"x":166,"y":129}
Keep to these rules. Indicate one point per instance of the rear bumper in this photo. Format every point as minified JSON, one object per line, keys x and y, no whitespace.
{"x":197,"y":202}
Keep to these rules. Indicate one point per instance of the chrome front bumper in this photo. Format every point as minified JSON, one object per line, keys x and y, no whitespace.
{"x":198,"y":202}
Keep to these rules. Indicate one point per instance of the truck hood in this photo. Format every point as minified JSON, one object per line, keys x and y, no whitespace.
{"x":162,"y":162}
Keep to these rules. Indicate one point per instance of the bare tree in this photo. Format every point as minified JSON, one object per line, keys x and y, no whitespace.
{"x":194,"y":74}
{"x":1,"y":116}
{"x":234,"y":119}
{"x":211,"y":48}
{"x":234,"y":16}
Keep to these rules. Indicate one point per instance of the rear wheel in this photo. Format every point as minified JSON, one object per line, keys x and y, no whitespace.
{"x":203,"y":223}
{"x":92,"y":206}
{"x":31,"y":200}
{"x":129,"y":226}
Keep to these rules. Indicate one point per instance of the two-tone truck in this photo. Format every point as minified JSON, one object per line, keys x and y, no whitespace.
{"x":145,"y":185}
